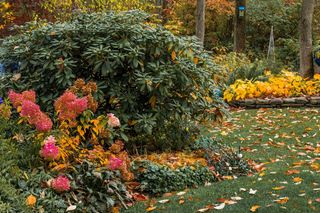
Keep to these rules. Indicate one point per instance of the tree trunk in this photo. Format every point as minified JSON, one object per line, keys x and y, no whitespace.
{"x":240,"y":26}
{"x":200,"y":20}
{"x":158,"y":5}
{"x":306,"y":67}
{"x":165,"y":10}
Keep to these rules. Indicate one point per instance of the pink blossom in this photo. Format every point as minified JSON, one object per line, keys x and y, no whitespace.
{"x":17,"y":99}
{"x":69,"y":106}
{"x":113,"y":121}
{"x":60,"y":184}
{"x":50,"y":139}
{"x":29,"y":109}
{"x":42,"y":122}
{"x":49,"y":151}
{"x":115,"y":163}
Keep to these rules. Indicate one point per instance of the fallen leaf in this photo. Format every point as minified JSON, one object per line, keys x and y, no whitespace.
{"x":181,"y":193}
{"x":293,"y":171}
{"x":297,"y":179}
{"x":219,"y":207}
{"x":252,"y":192}
{"x":282,"y":200}
{"x":317,"y":200}
{"x":181,"y":201}
{"x":254,"y":208}
{"x":164,"y":201}
{"x":236,"y":198}
{"x":278,"y":188}
{"x":71,"y":208}
{"x":151,"y":208}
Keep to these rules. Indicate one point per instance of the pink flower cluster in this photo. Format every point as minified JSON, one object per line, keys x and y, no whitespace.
{"x":69,"y":106}
{"x":17,"y":99}
{"x":60,"y":184}
{"x":115,"y":163}
{"x":113,"y":121}
{"x":49,"y":150}
{"x":30,"y":110}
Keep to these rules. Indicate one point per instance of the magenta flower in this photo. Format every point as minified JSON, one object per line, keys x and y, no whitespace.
{"x":49,"y":151}
{"x":113,"y":121}
{"x":115,"y":163}
{"x":60,"y":184}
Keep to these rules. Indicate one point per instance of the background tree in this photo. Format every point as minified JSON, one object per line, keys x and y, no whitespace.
{"x":306,"y":68}
{"x":240,"y":26}
{"x":200,"y":20}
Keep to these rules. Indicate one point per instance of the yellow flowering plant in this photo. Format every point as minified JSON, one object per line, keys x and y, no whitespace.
{"x":286,"y":84}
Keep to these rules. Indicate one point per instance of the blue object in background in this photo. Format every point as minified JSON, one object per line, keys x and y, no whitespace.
{"x":2,"y":69}
{"x":1,"y":100}
{"x":317,"y":60}
{"x":242,"y":8}
{"x":14,"y":66}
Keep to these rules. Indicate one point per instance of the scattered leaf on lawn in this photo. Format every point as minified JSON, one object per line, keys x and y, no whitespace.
{"x":219,"y":207}
{"x":252,"y":192}
{"x":164,"y":201}
{"x":181,"y":193}
{"x":181,"y":201}
{"x":297,"y":179}
{"x":151,"y":208}
{"x":278,"y":188}
{"x":236,"y":198}
{"x":282,"y":200}
{"x":254,"y":208}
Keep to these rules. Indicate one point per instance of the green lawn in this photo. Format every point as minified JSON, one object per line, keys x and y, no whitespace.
{"x":281,"y":138}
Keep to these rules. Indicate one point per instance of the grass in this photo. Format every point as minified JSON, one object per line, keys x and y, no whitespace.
{"x":285,"y":140}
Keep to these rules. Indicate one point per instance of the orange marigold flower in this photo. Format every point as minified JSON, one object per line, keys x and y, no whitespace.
{"x":31,"y":200}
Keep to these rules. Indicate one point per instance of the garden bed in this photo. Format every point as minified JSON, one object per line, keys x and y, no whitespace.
{"x":277,"y":102}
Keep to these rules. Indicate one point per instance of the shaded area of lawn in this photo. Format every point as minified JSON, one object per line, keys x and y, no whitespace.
{"x":287,"y":141}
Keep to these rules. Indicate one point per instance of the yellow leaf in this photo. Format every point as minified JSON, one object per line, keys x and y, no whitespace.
{"x":153,"y":101}
{"x":278,"y":188}
{"x":196,"y":60}
{"x":173,"y":55}
{"x":254,"y":208}
{"x":282,"y":200}
{"x":151,"y":208}
{"x":297,"y":179}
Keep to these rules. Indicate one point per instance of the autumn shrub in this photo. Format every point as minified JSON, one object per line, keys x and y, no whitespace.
{"x":286,"y":84}
{"x":79,"y":154}
{"x":158,"y":84}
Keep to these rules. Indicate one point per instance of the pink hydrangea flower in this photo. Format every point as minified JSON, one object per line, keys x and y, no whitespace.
{"x":29,"y":109}
{"x":115,"y":163}
{"x":49,"y":151}
{"x":69,"y":106}
{"x":17,"y":99}
{"x":43,"y":123}
{"x":113,"y":121}
{"x":60,"y":184}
